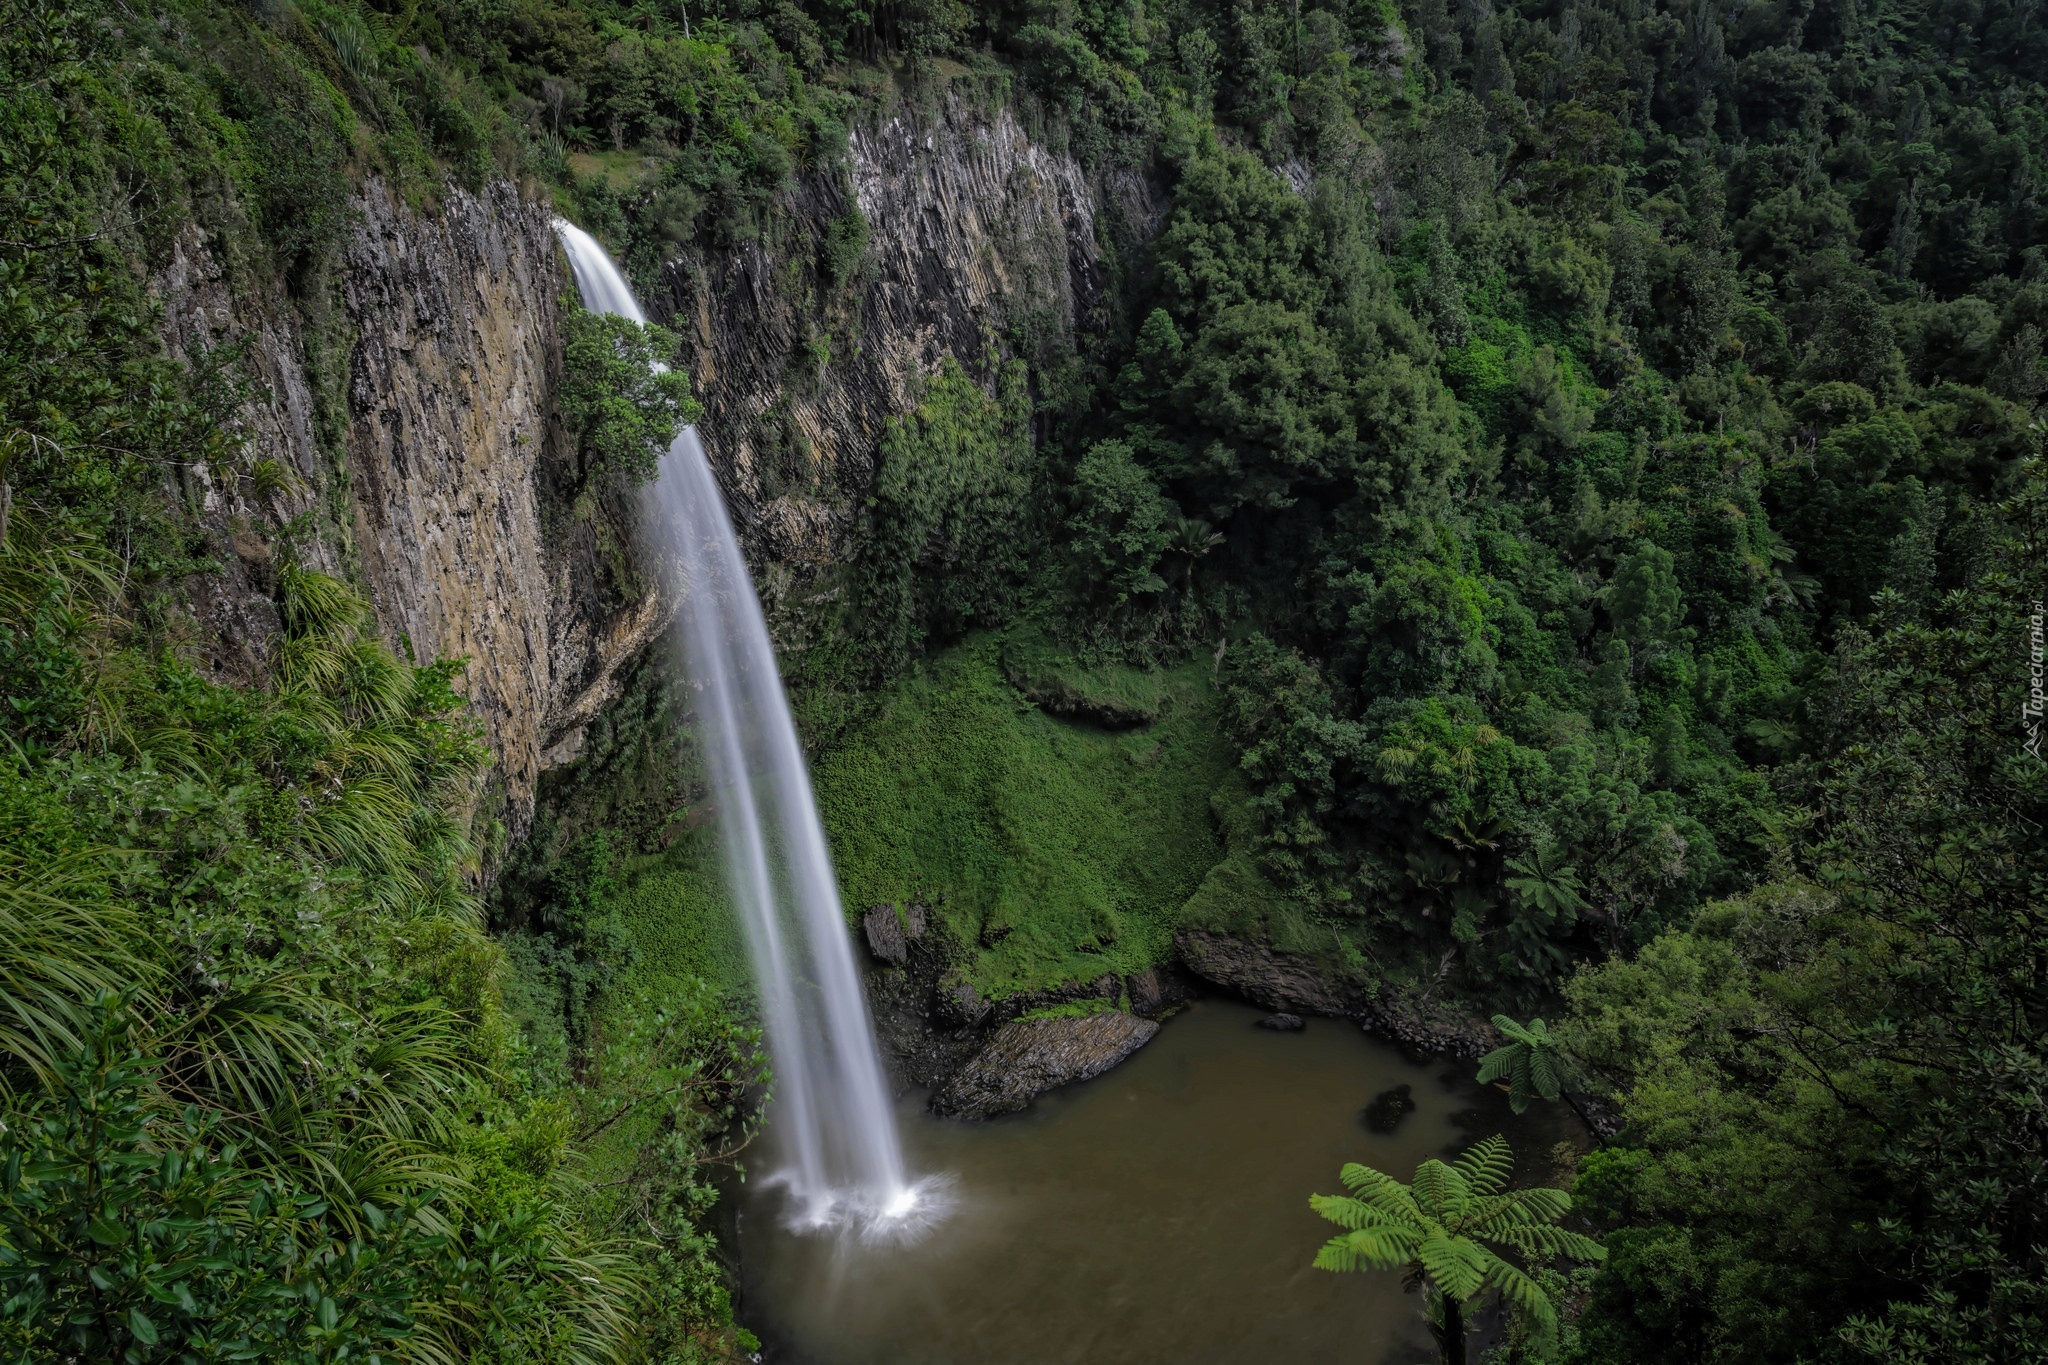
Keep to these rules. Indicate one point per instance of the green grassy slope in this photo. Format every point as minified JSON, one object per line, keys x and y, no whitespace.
{"x":678,"y":918}
{"x":1061,"y":849}
{"x":1056,"y":849}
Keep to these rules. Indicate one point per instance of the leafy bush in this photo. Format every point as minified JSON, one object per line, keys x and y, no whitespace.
{"x":619,"y":398}
{"x":950,"y":517}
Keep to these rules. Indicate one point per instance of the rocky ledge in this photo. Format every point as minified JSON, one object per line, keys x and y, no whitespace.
{"x":1030,"y":1056}
{"x":1297,"y":984}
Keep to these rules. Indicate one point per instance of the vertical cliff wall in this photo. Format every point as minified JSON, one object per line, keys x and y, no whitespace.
{"x":414,"y":414}
{"x":972,"y":232}
{"x":414,"y":408}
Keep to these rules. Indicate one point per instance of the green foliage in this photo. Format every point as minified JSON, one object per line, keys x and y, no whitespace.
{"x":1111,"y":694}
{"x":314,"y":1130}
{"x":574,"y":951}
{"x":1442,"y":1229}
{"x":1584,"y":433}
{"x":618,"y":396}
{"x":1529,"y":1060}
{"x":845,"y":248}
{"x":1828,"y":1083}
{"x":1120,"y":527}
{"x":950,"y":517}
{"x":130,"y":1232}
{"x":1053,"y":851}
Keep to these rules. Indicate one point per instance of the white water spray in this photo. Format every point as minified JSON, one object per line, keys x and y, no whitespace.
{"x":832,"y":1107}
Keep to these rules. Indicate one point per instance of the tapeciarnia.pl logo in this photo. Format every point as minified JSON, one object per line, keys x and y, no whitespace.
{"x":2037,"y":675}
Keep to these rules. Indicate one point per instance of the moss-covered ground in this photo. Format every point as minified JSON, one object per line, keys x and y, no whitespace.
{"x":1060,"y":850}
{"x":1052,"y":849}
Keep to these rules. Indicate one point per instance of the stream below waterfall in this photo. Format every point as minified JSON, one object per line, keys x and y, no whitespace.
{"x":1157,"y":1213}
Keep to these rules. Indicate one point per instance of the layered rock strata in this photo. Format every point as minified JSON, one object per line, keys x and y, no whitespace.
{"x":975,"y":236}
{"x":1295,"y":984}
{"x":420,"y":466}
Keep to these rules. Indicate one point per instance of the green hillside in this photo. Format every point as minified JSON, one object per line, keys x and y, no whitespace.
{"x":1554,"y":511}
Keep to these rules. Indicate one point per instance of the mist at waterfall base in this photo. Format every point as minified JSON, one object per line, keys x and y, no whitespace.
{"x":832,"y":1116}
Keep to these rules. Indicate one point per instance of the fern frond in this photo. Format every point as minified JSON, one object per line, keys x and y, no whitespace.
{"x":1356,"y":1213}
{"x":1527,"y":1296}
{"x":1377,"y":1188}
{"x":1486,"y":1165}
{"x":1543,"y":1241}
{"x":1457,"y":1265}
{"x":1493,"y":1217}
{"x":1440,"y":1191}
{"x":1498,"y":1062}
{"x":1383,"y":1248}
{"x":1510,"y":1029}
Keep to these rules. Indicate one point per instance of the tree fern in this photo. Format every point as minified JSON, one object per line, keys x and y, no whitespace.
{"x":1438,"y":1228}
{"x":1529,"y":1061}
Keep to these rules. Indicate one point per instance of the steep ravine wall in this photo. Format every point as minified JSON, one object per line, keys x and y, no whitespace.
{"x":973,"y":232}
{"x":425,"y":482}
{"x":414,"y":411}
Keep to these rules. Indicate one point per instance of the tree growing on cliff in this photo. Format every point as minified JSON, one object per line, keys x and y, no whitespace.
{"x":619,"y":397}
{"x":1437,"y":1232}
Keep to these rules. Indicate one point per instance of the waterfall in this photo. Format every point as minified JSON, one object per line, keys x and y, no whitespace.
{"x":832,"y":1118}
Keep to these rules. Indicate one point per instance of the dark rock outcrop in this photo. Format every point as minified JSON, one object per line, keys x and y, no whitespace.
{"x":1030,"y":1056}
{"x":1283,"y":1023}
{"x":959,"y":1003}
{"x":890,"y":935}
{"x":1389,"y":1107}
{"x":1156,"y":991}
{"x":415,"y":427}
{"x":1288,"y":982}
{"x":1295,"y":983}
{"x":973,"y":229}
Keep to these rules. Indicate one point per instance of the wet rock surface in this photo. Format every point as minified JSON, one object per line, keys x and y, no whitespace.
{"x":890,"y":935}
{"x":415,"y":423}
{"x":1030,"y":1056}
{"x":1287,"y":982}
{"x":1157,"y":991}
{"x":1283,"y":1023}
{"x":932,"y":1021}
{"x":1295,"y":983}
{"x":973,"y":227}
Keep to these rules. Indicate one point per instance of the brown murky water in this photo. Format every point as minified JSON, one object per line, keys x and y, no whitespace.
{"x":1158,"y":1213}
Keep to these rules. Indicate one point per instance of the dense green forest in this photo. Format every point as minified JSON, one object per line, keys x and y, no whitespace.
{"x":1590,"y":447}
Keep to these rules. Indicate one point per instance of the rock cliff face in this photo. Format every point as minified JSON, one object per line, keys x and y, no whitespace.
{"x":1028,"y":1057}
{"x":415,"y":412}
{"x":424,"y":469}
{"x":1290,"y":981}
{"x":973,"y":234}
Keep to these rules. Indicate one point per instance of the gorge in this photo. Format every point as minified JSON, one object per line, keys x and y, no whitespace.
{"x":1473,"y":536}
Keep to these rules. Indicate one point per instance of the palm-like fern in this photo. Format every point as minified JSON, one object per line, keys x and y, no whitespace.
{"x":1529,"y":1061}
{"x":1443,"y":1230}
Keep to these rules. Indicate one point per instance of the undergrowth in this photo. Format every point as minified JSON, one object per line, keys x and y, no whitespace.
{"x":1056,"y":849}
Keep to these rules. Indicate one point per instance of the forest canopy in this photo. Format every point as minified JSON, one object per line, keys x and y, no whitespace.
{"x":1597,"y":440}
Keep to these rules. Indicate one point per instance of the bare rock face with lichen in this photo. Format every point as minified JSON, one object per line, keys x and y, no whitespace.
{"x":972,"y":234}
{"x":412,"y":437}
{"x":1030,"y":1056}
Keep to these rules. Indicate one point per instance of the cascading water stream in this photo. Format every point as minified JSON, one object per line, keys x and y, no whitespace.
{"x":833,"y":1118}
